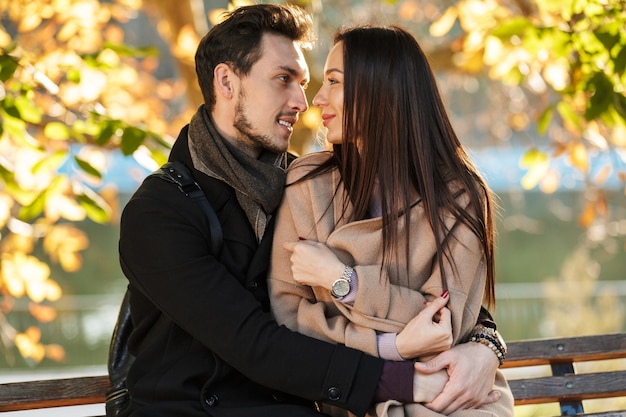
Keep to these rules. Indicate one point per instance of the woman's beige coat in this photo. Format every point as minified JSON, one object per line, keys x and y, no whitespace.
{"x":386,"y":300}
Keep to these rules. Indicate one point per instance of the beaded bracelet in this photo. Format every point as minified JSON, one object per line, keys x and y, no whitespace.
{"x":490,"y":338}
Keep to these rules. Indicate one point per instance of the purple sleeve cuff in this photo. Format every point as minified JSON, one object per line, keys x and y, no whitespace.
{"x":396,"y":382}
{"x":387,"y":347}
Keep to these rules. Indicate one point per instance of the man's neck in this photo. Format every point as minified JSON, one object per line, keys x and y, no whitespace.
{"x":224,"y":126}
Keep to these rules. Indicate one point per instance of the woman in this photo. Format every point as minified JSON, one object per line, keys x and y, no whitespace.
{"x":395,"y":217}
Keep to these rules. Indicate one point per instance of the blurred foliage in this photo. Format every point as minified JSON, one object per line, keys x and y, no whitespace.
{"x":72,"y":88}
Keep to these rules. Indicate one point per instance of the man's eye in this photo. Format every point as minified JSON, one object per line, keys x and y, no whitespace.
{"x":283,"y":77}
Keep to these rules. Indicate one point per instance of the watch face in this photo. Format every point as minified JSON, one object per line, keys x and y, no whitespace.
{"x":341,"y":288}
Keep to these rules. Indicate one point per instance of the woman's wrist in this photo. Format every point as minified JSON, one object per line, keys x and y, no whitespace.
{"x":489,"y":337}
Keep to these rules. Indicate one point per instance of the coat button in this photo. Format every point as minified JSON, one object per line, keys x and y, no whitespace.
{"x":334,"y":393}
{"x":212,"y":400}
{"x":253,"y":285}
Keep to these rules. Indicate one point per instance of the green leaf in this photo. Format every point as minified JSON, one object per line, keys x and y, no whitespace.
{"x":125,"y":50}
{"x":533,"y":157}
{"x":107,"y":130}
{"x":94,"y":205}
{"x":516,"y":26}
{"x":27,"y":110}
{"x":14,"y":126}
{"x":8,"y":65}
{"x":87,"y":167}
{"x":51,"y":162}
{"x":620,"y":61}
{"x":545,"y":119}
{"x":568,"y":114}
{"x":34,"y":209}
{"x":619,"y":102}
{"x":73,"y":75}
{"x":609,"y":40}
{"x":56,"y":131}
{"x":602,"y":97}
{"x":132,"y":138}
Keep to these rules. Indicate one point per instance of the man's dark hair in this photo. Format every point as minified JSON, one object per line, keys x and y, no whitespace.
{"x":237,"y":40}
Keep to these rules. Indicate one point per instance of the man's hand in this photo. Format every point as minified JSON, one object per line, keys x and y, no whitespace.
{"x":471,"y":370}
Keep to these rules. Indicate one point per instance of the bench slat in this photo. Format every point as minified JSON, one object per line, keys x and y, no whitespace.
{"x":17,"y":396}
{"x":569,"y":387}
{"x":583,"y":348}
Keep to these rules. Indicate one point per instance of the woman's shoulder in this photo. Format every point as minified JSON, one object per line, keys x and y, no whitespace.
{"x":306,"y":163}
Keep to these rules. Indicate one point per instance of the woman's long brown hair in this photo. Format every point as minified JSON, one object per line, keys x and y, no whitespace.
{"x":396,"y":130}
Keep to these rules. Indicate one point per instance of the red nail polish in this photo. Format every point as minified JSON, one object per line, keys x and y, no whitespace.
{"x":301,"y":238}
{"x":444,"y":294}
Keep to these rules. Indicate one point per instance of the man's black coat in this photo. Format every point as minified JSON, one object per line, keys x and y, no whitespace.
{"x":204,"y":341}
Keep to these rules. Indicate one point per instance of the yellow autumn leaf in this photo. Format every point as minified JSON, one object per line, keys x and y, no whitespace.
{"x":54,"y":352}
{"x":550,"y":182}
{"x":24,"y":274}
{"x":53,"y":290}
{"x":63,"y":238}
{"x":68,"y":30}
{"x":477,"y":14}
{"x":579,"y":157}
{"x":186,"y":43}
{"x":36,"y":291}
{"x":12,"y":281}
{"x":618,"y":137}
{"x":29,"y":22}
{"x":587,"y":216}
{"x":537,"y":163}
{"x":443,"y":25}
{"x":61,"y":206}
{"x":603,"y":175}
{"x":5,"y":39}
{"x":70,"y":261}
{"x":28,"y":344}
{"x":556,"y":73}
{"x":217,"y":15}
{"x":43,"y":314}
{"x":602,"y":207}
{"x":6,"y":204}
{"x":494,"y":50}
{"x":408,"y":10}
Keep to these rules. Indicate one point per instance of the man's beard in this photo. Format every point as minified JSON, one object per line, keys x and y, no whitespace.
{"x":246,"y":131}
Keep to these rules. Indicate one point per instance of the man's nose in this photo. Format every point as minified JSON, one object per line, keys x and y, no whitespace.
{"x":299,"y":101}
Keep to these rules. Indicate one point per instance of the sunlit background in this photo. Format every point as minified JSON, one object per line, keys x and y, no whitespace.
{"x":93,"y":93}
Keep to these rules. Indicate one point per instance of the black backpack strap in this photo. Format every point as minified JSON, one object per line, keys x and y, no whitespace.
{"x":177,"y":173}
{"x":120,"y":358}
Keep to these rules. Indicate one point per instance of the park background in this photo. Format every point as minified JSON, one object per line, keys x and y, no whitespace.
{"x":94,"y":92}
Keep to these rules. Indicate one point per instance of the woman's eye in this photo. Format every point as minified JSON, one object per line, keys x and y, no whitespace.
{"x":332,"y":81}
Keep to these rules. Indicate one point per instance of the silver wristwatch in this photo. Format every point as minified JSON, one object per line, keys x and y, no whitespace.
{"x":341,"y":287}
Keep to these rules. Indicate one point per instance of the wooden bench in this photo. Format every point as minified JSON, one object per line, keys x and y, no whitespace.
{"x":563,"y":386}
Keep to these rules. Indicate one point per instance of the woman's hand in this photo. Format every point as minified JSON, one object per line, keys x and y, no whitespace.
{"x":429,"y":332}
{"x":313,"y":263}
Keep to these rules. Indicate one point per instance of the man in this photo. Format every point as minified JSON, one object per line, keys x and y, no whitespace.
{"x":204,"y":341}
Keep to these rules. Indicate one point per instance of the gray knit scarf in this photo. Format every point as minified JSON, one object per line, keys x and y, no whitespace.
{"x":258,"y":183}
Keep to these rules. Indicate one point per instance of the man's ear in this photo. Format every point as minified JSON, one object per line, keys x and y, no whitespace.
{"x":224,"y":79}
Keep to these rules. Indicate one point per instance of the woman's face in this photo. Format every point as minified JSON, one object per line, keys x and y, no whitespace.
{"x":330,"y":96}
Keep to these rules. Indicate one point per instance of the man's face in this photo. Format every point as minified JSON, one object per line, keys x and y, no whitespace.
{"x":271,"y":96}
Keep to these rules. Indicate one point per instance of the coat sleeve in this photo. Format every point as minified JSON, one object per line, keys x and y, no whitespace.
{"x":165,"y":253}
{"x":381,"y":305}
{"x":465,"y":277}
